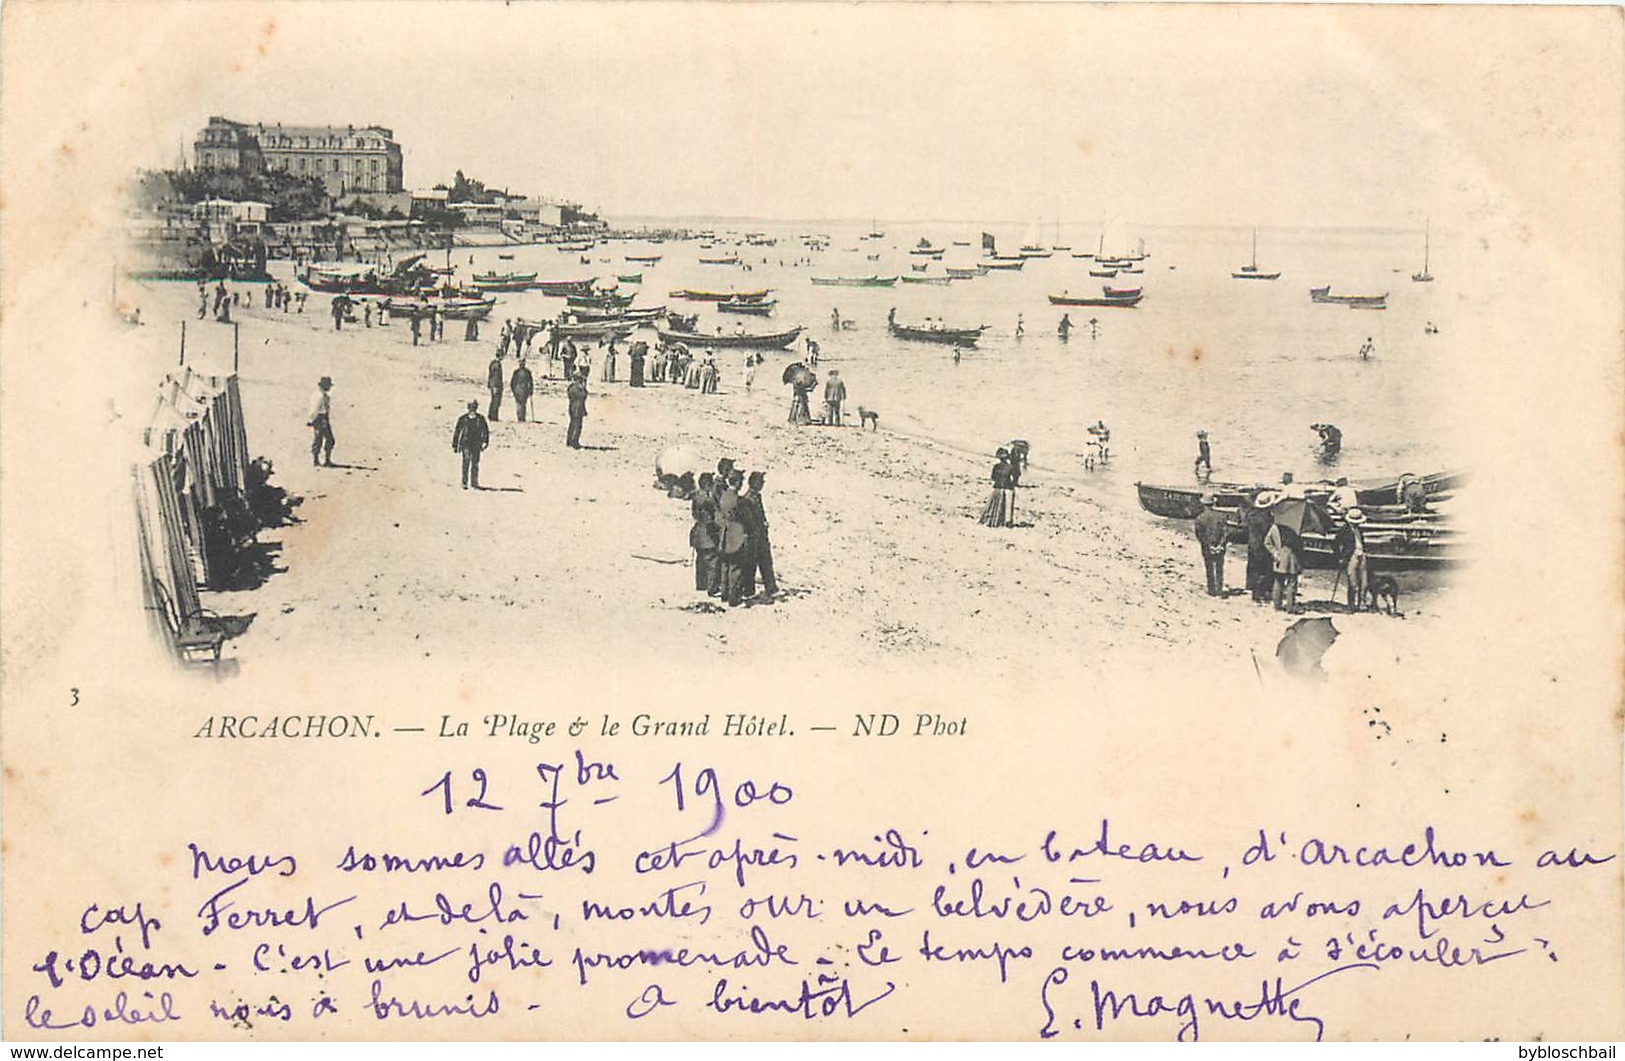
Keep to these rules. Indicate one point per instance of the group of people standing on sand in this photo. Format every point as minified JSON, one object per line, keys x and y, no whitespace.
{"x":1009,"y":462}
{"x":729,"y":536}
{"x":219,"y":300}
{"x":1275,"y":551}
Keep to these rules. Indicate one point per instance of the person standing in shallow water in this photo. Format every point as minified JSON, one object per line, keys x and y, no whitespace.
{"x":1204,"y":456}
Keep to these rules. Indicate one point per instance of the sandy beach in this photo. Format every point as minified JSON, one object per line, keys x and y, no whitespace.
{"x":573,"y":555}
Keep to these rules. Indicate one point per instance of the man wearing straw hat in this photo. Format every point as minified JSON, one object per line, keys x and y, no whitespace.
{"x":1213,"y":534}
{"x":321,"y":423}
{"x":1284,"y":545}
{"x":1350,"y":552}
{"x":1260,"y":568}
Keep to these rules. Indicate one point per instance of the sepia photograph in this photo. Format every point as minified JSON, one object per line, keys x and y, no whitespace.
{"x":811,"y":521}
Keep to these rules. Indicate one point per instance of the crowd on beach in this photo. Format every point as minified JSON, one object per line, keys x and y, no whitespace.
{"x":733,"y":553}
{"x":733,"y":559}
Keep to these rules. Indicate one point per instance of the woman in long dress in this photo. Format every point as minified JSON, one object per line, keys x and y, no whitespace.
{"x":800,"y":412}
{"x":1000,"y":510}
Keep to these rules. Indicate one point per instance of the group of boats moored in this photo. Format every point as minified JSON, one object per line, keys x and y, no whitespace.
{"x":1405,"y":529}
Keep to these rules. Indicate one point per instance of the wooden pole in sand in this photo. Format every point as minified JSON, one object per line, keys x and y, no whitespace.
{"x":236,"y":336}
{"x":183,"y":343}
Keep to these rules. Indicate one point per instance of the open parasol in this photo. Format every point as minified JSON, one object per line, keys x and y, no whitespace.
{"x":1303,"y":645}
{"x":676,"y":460}
{"x":1298,"y":515}
{"x":800,"y":375}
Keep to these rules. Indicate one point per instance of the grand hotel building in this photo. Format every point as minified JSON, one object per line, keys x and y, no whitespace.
{"x":345,"y":158}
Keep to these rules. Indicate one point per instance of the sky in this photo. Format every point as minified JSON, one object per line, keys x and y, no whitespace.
{"x":1081,"y":114}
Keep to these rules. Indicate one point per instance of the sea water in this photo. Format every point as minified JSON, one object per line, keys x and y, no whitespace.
{"x":1252,"y":362}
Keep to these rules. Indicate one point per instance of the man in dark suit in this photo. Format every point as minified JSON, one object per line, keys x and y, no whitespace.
{"x":1213,"y":533}
{"x":578,"y":409}
{"x":493,"y":383}
{"x":523,"y":386}
{"x":470,"y":437}
{"x":760,"y":561}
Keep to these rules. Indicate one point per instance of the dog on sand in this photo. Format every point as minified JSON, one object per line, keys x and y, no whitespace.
{"x":868,"y":418}
{"x":1382,"y":593}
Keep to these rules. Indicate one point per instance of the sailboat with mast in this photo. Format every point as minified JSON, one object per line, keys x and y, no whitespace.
{"x":1425,"y":277}
{"x":1058,"y":245}
{"x":1250,"y":270}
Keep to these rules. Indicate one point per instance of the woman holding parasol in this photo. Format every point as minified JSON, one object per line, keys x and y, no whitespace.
{"x":802,"y":380}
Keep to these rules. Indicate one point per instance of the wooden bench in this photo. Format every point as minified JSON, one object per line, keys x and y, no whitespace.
{"x":195,"y":639}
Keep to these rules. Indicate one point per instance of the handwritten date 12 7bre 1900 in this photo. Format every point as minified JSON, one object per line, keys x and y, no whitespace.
{"x":578,"y":897}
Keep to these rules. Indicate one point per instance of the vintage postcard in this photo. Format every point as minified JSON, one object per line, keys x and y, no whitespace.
{"x":687,"y":521}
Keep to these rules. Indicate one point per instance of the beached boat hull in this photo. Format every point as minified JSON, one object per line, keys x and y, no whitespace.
{"x":459,"y":309}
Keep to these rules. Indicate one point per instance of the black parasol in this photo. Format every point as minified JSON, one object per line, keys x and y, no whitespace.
{"x":800,"y":375}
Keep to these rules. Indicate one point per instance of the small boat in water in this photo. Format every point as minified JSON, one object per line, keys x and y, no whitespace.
{"x":760,"y":308}
{"x":1425,"y":277}
{"x":955,"y":273}
{"x":693,"y":295}
{"x":771,"y":341}
{"x":854,"y":281}
{"x":620,"y":314}
{"x":1105,"y":273}
{"x":928,"y":279}
{"x":1004,"y":264}
{"x":599,"y":300}
{"x":933,"y":332}
{"x":1132,"y":298}
{"x":1250,"y":271}
{"x":597,"y":329}
{"x":629,"y":278}
{"x":564,"y":288}
{"x":643,"y":259}
{"x":504,"y":281}
{"x":1324,"y":295}
{"x":731,"y":259}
